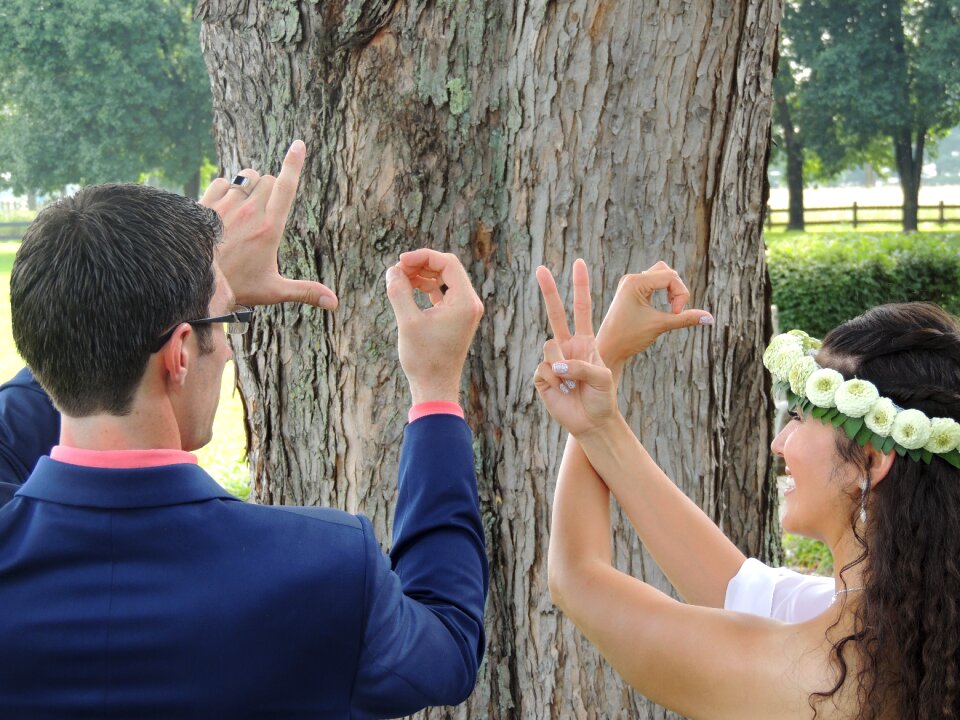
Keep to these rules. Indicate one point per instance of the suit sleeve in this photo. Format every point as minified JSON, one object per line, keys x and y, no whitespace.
{"x":423,"y":640}
{"x":29,"y":428}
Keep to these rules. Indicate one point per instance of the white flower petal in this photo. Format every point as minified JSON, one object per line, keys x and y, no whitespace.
{"x":800,"y":373}
{"x":784,"y":360}
{"x":944,"y":435}
{"x":822,"y":386}
{"x":856,"y":397}
{"x":880,"y":417}
{"x":911,"y":428}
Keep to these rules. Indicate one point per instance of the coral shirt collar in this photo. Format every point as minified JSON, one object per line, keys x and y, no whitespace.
{"x":121,"y":459}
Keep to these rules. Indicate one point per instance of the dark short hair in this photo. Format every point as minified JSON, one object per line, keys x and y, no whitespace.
{"x":98,"y":278}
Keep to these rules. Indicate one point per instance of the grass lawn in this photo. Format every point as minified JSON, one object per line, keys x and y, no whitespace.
{"x":223,"y":458}
{"x":949,"y":233}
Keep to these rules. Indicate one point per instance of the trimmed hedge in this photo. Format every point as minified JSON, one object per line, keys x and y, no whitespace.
{"x":819,"y":281}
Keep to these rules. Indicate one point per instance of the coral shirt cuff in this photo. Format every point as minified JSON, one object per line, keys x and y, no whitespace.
{"x":434,"y":407}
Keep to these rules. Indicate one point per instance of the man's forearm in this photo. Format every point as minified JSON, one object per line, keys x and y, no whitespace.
{"x":438,"y":541}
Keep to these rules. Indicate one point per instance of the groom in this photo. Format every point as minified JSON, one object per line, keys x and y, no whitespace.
{"x":141,"y":588}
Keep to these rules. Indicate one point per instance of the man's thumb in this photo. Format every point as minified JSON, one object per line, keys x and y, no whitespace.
{"x":400,"y":294}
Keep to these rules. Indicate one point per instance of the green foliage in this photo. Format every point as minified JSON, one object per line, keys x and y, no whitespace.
{"x":98,"y":91}
{"x":819,"y":281}
{"x":868,"y":71}
{"x":807,"y":555}
{"x":17,"y":216}
{"x":231,"y":472}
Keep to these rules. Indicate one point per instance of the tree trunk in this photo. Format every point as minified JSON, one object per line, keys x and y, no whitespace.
{"x":909,"y":167}
{"x":794,"y":164}
{"x":512,"y":134}
{"x":31,"y":200}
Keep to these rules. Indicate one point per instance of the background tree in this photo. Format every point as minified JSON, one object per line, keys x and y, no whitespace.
{"x":878,"y":69}
{"x":97,"y":91}
{"x":512,"y":134}
{"x":787,"y":136}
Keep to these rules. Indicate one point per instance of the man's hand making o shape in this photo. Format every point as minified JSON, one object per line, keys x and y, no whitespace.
{"x":574,"y":384}
{"x":432,"y":344}
{"x":254,"y":211}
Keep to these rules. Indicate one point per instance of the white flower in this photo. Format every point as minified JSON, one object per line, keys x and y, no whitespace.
{"x":801,"y":370}
{"x":783,"y":360}
{"x":911,"y":428}
{"x":944,"y":435}
{"x":880,"y":417}
{"x":822,"y":386}
{"x":856,"y":397}
{"x":809,"y":343}
{"x":776,"y":345}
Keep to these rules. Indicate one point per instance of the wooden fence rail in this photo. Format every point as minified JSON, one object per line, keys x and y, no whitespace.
{"x":868,"y":214}
{"x":12,"y":227}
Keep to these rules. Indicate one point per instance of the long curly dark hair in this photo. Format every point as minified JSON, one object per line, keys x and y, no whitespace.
{"x":906,"y":631}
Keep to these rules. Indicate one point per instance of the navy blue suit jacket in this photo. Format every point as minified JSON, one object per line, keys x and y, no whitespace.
{"x":29,"y":427}
{"x":154,"y":593}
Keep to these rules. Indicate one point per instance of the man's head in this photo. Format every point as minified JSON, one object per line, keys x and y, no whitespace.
{"x":98,"y":278}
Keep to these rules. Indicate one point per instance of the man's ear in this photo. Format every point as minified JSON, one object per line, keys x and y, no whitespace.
{"x":176,"y":354}
{"x":878,"y":463}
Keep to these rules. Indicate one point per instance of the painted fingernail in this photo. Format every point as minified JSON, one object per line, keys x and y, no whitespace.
{"x":561,"y":368}
{"x":564,"y":389}
{"x":706,"y":320}
{"x":571,"y":383}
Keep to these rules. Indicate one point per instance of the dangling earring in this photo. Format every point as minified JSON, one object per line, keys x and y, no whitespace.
{"x":864,"y":486}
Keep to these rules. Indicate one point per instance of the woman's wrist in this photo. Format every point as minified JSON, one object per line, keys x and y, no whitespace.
{"x":602,"y":436}
{"x":610,"y":358}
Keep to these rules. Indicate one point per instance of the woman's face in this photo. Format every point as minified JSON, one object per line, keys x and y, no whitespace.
{"x":817,"y":501}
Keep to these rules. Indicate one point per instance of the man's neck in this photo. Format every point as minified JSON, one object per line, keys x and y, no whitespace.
{"x":146,"y":427}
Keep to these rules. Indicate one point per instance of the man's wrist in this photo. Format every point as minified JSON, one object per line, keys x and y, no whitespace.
{"x":435,"y":393}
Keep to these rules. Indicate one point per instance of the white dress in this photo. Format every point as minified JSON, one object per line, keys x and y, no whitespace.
{"x":778,"y":593}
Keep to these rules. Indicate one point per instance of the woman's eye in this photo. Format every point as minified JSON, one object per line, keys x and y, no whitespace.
{"x":794,"y":415}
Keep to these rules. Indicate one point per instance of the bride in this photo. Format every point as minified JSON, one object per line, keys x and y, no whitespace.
{"x":873,"y":465}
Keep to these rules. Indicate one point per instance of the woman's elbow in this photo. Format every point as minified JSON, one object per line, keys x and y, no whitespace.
{"x":561,"y":582}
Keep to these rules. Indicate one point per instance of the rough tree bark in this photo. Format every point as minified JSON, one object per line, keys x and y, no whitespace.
{"x":513,"y":133}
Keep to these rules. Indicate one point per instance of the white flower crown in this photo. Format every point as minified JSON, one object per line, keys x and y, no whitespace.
{"x":855,"y":405}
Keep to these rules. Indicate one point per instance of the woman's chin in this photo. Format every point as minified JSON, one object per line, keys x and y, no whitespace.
{"x":787,"y":524}
{"x":787,"y":489}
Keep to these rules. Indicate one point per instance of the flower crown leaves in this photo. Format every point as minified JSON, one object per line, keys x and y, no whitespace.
{"x":856,"y":405}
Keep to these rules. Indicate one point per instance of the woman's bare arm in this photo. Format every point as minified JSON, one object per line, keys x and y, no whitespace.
{"x":687,"y":545}
{"x":700,"y":661}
